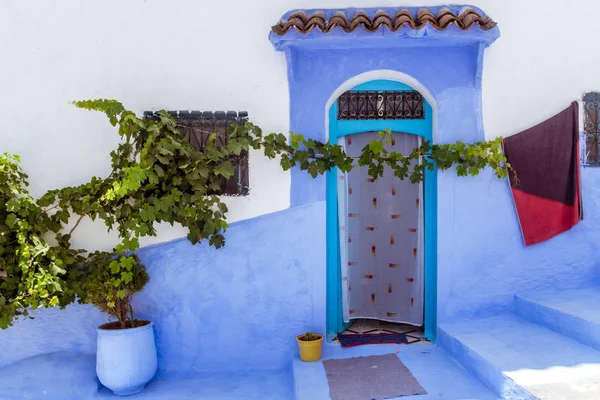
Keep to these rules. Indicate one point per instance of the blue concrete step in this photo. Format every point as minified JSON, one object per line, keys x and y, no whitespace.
{"x":573,"y":313}
{"x":521,"y":360}
{"x":436,"y":371}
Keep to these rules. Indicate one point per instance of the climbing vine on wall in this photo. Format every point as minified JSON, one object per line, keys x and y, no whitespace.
{"x":34,"y":254}
{"x":156,"y":176}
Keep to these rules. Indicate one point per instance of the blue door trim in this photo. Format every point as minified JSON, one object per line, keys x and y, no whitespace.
{"x":338,"y":129}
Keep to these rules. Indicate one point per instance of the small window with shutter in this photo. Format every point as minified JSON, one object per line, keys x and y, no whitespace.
{"x":591,"y":129}
{"x":197,"y":126}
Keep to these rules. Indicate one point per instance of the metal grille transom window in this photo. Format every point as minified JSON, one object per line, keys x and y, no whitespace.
{"x":398,"y":104}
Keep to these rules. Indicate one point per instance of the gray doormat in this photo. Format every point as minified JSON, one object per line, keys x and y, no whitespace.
{"x":367,"y":378}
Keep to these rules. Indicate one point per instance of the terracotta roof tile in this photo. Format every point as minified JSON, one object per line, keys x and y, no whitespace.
{"x":465,"y":19}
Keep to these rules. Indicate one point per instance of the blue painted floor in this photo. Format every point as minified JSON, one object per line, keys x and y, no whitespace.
{"x":549,"y":346}
{"x":55,"y":376}
{"x":72,"y":376}
{"x":260,"y":386}
{"x":437,"y":373}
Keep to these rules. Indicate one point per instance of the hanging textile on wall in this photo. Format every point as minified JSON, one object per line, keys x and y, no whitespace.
{"x":545,"y":183}
{"x":381,"y":238}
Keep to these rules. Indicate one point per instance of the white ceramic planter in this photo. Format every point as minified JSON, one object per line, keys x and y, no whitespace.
{"x":126,"y":358}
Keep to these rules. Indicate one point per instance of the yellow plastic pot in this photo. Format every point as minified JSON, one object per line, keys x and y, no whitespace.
{"x":310,"y":346}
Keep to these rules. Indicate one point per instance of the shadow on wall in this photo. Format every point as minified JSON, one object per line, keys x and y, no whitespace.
{"x":236,"y":308}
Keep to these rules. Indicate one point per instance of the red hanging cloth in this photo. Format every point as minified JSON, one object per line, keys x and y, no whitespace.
{"x":546,"y":183}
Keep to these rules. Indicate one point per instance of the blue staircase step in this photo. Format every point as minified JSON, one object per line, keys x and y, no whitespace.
{"x":482,"y":368}
{"x":574,"y":313}
{"x":518,"y":359}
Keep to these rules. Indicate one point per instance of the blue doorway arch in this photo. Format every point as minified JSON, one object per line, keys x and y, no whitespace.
{"x":339,"y":128}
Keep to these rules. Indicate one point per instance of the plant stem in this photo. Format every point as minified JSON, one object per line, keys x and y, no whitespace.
{"x":132,"y":317}
{"x":77,"y":223}
{"x":51,"y":208}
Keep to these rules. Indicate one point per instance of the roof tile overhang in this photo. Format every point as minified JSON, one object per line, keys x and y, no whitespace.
{"x":458,"y":22}
{"x":444,"y":18}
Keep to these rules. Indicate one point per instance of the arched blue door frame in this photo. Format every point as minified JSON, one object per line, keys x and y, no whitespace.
{"x":339,"y":128}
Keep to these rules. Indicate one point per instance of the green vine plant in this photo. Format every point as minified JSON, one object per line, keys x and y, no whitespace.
{"x":156,"y":176}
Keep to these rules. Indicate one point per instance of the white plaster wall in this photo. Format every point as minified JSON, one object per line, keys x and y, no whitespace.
{"x":213,"y":55}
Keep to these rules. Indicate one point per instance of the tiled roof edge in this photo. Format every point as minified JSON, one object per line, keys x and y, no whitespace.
{"x":464,"y":19}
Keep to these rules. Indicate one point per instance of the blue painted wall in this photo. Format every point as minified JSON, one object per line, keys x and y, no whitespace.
{"x":240,"y":307}
{"x":450,"y":76}
{"x":446,"y":66}
{"x":482,"y":261}
{"x":236,"y":308}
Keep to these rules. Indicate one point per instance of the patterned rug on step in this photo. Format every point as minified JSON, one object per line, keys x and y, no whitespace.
{"x":371,"y":338}
{"x":373,"y":377}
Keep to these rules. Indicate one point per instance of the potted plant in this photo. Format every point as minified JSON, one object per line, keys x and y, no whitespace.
{"x":126,"y":355}
{"x":310,"y":346}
